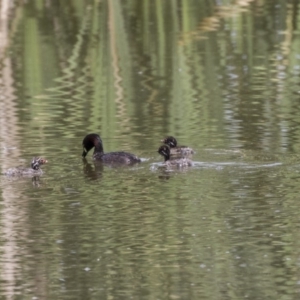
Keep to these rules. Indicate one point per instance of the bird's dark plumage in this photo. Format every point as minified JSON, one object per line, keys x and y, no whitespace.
{"x":94,"y":140}
{"x":179,"y":151}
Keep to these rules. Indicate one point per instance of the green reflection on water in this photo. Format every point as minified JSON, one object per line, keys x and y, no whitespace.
{"x":218,"y":77}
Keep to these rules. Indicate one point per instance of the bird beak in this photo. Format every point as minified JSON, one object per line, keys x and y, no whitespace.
{"x":84,"y":153}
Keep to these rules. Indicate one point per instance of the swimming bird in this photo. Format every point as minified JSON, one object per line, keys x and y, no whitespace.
{"x":35,"y":169}
{"x":93,"y":140}
{"x":164,"y":150}
{"x":177,"y":150}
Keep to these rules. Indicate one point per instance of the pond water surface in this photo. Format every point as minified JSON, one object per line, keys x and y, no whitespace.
{"x":222,"y":77}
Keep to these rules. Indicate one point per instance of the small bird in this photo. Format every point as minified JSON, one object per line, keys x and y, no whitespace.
{"x":181,"y":151}
{"x":164,"y":150}
{"x":35,"y":169}
{"x":93,"y":140}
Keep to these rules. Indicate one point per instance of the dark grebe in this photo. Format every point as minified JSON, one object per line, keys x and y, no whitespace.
{"x":33,"y":171}
{"x":177,"y":150}
{"x":94,"y":140}
{"x":180,"y":162}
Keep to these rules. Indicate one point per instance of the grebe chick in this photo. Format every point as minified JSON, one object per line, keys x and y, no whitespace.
{"x":94,"y":140}
{"x":177,"y":150}
{"x":35,"y":169}
{"x":179,"y":163}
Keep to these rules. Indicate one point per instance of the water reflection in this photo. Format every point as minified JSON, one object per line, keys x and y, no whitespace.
{"x":92,"y":171}
{"x":222,"y":77}
{"x":15,"y":180}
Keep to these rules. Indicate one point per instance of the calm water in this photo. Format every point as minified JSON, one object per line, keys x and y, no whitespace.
{"x":223,"y":77}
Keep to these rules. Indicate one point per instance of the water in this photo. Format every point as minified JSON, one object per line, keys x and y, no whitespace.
{"x":223,"y":77}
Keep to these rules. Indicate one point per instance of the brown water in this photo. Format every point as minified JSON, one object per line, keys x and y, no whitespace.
{"x":221,"y":76}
